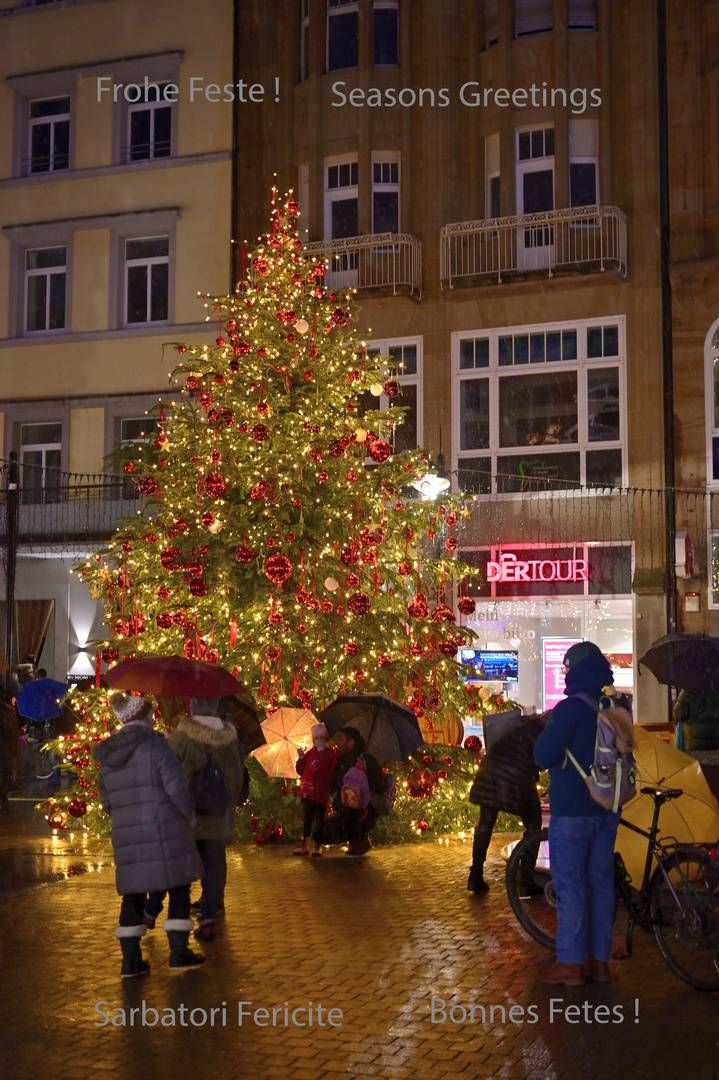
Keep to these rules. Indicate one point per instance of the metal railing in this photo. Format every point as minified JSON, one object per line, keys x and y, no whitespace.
{"x":380,"y":261}
{"x":584,"y":239}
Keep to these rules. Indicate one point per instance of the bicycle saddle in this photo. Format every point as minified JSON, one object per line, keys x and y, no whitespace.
{"x":662,"y":795}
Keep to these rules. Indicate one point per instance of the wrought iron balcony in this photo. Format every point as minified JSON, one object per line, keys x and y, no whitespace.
{"x":583,"y":239}
{"x":380,"y":262}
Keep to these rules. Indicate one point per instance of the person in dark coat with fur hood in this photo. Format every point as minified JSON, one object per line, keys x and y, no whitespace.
{"x":506,"y":780}
{"x":143,"y":789}
{"x":199,"y":737}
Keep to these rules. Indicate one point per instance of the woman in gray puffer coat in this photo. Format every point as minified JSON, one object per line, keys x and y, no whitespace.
{"x":142,"y":788}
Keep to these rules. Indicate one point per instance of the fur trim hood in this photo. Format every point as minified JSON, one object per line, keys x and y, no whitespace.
{"x":209,"y":737}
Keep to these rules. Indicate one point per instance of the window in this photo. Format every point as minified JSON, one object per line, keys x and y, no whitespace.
{"x":401,"y":358}
{"x":385,"y":51}
{"x":385,"y":193}
{"x":40,"y":461}
{"x":45,"y":277}
{"x":147,"y":280}
{"x":491,"y":23}
{"x":341,"y":200}
{"x":149,"y":124}
{"x":304,"y":40}
{"x":535,"y":195}
{"x":557,"y":389}
{"x":342,"y":34}
{"x":583,"y":160}
{"x":49,"y":149}
{"x":711,"y":396}
{"x":136,"y":431}
{"x":582,"y":14}
{"x":491,"y":173}
{"x":532,"y":16}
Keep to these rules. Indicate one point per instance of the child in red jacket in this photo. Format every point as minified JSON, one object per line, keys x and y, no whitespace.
{"x":317,"y":770}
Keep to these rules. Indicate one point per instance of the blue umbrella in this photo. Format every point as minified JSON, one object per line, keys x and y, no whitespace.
{"x":40,"y":700}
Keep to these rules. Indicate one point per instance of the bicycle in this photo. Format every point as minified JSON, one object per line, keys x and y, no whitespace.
{"x":678,"y":902}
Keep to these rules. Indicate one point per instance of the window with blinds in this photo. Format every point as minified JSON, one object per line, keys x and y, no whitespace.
{"x":491,"y":23}
{"x":582,"y":14}
{"x":532,"y":16}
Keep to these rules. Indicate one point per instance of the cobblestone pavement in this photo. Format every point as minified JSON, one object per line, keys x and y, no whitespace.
{"x":375,"y":938}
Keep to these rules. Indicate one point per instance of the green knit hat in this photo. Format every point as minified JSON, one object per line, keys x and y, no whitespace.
{"x":580,"y":652}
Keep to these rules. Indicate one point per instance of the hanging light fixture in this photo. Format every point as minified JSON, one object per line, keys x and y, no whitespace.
{"x":436,"y":479}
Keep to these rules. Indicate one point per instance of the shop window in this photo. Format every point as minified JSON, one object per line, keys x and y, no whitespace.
{"x":557,"y":427}
{"x":147,"y":280}
{"x":385,"y":33}
{"x":45,"y":279}
{"x":402,"y":359}
{"x":609,"y":570}
{"x":532,"y":16}
{"x":342,"y":34}
{"x":304,"y":40}
{"x":49,"y":149}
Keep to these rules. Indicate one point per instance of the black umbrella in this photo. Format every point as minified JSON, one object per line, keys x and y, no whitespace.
{"x":687,"y":661}
{"x":389,"y":729}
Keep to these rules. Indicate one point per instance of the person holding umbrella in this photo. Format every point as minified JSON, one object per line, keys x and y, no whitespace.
{"x":143,"y":790}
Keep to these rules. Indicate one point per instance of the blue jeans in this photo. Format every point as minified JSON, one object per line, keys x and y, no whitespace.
{"x":581,"y":850}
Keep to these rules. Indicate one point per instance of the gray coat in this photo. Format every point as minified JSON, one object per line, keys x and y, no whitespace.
{"x":143,"y":789}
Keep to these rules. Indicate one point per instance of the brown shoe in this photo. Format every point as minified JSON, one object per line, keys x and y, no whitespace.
{"x":561,"y":974}
{"x":599,"y":971}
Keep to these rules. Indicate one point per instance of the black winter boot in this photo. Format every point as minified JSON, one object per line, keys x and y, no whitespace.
{"x":132,"y":962}
{"x":476,"y":882}
{"x":178,"y":935}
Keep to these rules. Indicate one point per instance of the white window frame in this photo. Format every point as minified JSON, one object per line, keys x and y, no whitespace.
{"x":337,"y":9}
{"x":381,"y":158}
{"x":338,"y":194}
{"x":41,"y":121}
{"x":387,"y":5}
{"x":150,"y":106}
{"x":383,"y":345}
{"x":34,"y":448}
{"x":494,"y":372}
{"x":149,"y":261}
{"x":46,"y":272}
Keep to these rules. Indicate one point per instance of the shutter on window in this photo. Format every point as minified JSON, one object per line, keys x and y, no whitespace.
{"x":583,"y":139}
{"x":491,"y":22}
{"x":582,"y":14}
{"x":531,"y":16}
{"x":491,"y":155}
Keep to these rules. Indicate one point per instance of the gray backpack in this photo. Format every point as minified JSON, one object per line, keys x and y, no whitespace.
{"x":612,"y":777}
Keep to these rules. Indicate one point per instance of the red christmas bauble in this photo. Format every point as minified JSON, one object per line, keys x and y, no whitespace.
{"x":322,"y":477}
{"x":352,"y":476}
{"x":466,"y":605}
{"x":244,"y":554}
{"x":147,"y":486}
{"x":327,"y":606}
{"x":208,"y":519}
{"x":340,"y":317}
{"x":163,"y":620}
{"x":317,"y":663}
{"x":231,"y":324}
{"x":368,"y":556}
{"x":351,"y":648}
{"x":278,"y":568}
{"x":243,"y":348}
{"x":199,"y":588}
{"x":110,"y":656}
{"x":359,"y":604}
{"x":336,"y":449}
{"x":391,"y":388}
{"x":215,"y":485}
{"x":473,"y":743}
{"x":260,"y":433}
{"x":163,"y":592}
{"x":77,"y":808}
{"x":452,"y":519}
{"x":417,"y":648}
{"x":129,"y":467}
{"x":180,"y":525}
{"x":379,"y":450}
{"x":275,"y":619}
{"x":405,"y":568}
{"x":150,"y":538}
{"x":442,"y":613}
{"x":451,"y":543}
{"x":305,"y":698}
{"x":384,"y":660}
{"x":169,"y":557}
{"x":417,"y":608}
{"x":352,"y":581}
{"x":422,"y":826}
{"x":181,"y":348}
{"x":448,"y":648}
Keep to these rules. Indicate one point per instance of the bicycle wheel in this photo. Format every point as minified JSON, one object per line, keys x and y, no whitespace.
{"x":530,"y":888}
{"x":684,"y":908}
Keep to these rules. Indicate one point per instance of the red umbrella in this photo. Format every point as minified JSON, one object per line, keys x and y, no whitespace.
{"x":173,"y":676}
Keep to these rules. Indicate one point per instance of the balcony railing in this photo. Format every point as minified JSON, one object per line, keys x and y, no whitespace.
{"x":382,"y":261}
{"x":585,"y":239}
{"x":67,"y":507}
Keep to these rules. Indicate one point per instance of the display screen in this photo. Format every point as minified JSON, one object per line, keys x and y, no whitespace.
{"x":483,"y":665}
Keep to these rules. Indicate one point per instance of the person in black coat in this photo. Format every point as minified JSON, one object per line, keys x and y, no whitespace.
{"x":506,"y":780}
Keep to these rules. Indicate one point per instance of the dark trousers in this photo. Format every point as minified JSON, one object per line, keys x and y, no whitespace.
{"x":214,"y":861}
{"x":531,"y":821}
{"x":133,"y":905}
{"x":314,"y":816}
{"x":342,"y":827}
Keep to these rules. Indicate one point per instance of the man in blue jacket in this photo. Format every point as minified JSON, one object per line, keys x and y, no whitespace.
{"x":581,"y":832}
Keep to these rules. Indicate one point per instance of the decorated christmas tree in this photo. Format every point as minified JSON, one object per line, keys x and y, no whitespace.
{"x":279,"y":534}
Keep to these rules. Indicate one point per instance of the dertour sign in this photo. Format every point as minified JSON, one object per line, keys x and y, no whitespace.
{"x":509,"y":568}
